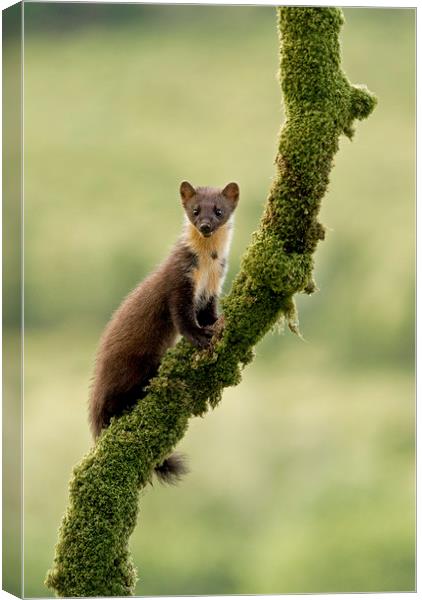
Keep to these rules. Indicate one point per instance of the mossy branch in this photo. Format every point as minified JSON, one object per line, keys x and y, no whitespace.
{"x":92,"y":556}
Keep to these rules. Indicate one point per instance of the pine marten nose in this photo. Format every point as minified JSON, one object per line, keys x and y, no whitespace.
{"x":205,"y":228}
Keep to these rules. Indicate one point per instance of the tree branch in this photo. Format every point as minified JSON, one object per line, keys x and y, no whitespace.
{"x":92,"y":556}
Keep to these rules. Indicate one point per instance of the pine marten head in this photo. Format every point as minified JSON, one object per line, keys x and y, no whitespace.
{"x":209,"y":208}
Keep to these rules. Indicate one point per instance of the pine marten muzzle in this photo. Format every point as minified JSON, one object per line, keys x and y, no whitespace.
{"x":178,"y":298}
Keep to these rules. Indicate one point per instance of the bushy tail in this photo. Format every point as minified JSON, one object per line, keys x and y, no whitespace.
{"x":172,"y":469}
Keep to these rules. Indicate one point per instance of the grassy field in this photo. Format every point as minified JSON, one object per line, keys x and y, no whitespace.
{"x":303,"y":479}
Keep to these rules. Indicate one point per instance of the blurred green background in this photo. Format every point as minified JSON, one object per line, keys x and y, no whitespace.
{"x":303,"y":479}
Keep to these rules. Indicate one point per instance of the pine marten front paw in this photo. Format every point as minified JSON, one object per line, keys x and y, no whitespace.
{"x":201,"y":338}
{"x":218,"y":326}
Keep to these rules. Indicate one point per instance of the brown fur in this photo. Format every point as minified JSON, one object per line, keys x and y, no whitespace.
{"x":178,"y":298}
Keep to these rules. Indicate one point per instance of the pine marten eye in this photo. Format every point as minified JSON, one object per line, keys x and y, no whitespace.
{"x":218,"y":211}
{"x":195,"y":211}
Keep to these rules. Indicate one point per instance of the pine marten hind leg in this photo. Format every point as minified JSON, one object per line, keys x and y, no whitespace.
{"x":119,"y":399}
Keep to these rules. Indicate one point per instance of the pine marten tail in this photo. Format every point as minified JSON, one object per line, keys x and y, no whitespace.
{"x":172,"y":469}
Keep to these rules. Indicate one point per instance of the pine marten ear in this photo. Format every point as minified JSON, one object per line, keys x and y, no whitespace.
{"x":186,"y":191}
{"x":231,"y":192}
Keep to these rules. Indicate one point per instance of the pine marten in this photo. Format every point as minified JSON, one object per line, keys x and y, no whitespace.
{"x":179,"y":297}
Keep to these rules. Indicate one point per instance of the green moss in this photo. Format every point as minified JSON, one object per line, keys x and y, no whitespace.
{"x":92,"y":556}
